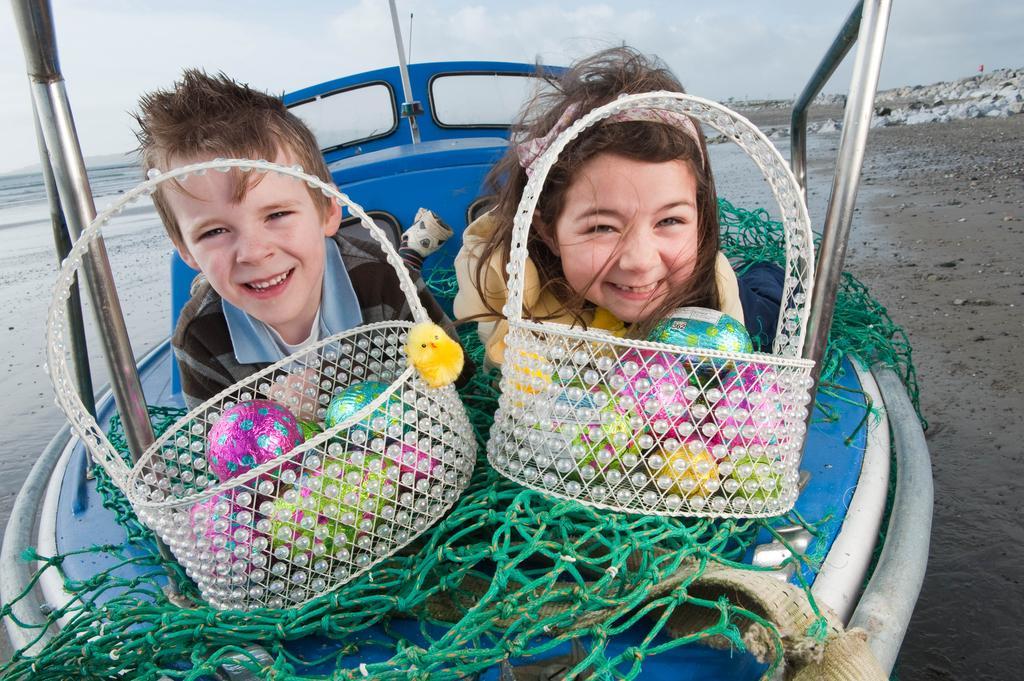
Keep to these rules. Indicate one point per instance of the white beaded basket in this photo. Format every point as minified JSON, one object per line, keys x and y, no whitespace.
{"x":317,"y":515}
{"x":647,"y":427}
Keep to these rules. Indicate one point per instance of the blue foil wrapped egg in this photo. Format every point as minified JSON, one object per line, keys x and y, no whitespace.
{"x":356,"y":396}
{"x":698,"y":327}
{"x":249,"y":434}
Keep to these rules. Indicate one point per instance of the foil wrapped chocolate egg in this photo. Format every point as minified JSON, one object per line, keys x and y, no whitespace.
{"x":364,"y":480}
{"x":223,"y":534}
{"x":310,"y":429}
{"x":607,"y":448}
{"x":662,"y":389}
{"x":756,"y":478}
{"x":249,"y":434}
{"x":356,"y":396}
{"x":690,"y":470}
{"x":300,"y":532}
{"x":751,"y":411}
{"x":531,"y":374}
{"x":697,"y":327}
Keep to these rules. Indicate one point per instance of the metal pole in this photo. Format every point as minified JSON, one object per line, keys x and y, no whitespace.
{"x":410,"y":37}
{"x":62,"y":243}
{"x":410,"y":108}
{"x":839,"y":216}
{"x":35,"y":24}
{"x":53,"y":115}
{"x":829,"y":63}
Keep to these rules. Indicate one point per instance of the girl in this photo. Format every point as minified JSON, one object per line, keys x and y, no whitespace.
{"x":626,"y":229}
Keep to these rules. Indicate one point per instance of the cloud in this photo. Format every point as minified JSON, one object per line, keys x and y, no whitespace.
{"x":112,"y":51}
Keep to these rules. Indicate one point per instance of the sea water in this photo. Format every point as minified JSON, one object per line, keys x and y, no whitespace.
{"x":139,"y":253}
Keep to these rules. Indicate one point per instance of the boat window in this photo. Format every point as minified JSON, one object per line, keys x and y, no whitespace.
{"x":352,"y":227}
{"x":345,"y":117}
{"x":491,"y":100}
{"x":480,"y":206}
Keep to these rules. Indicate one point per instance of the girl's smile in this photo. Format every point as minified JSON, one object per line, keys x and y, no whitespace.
{"x":627,"y":234}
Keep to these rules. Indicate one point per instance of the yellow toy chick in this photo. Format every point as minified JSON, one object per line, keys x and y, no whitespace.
{"x":437,"y":357}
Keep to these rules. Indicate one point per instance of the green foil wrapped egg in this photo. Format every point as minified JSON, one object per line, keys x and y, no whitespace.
{"x":698,"y":327}
{"x":299,"y":532}
{"x":365,"y":482}
{"x":756,"y":478}
{"x":356,"y":396}
{"x":609,"y":447}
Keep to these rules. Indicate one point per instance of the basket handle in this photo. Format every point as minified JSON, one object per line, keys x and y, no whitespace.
{"x":84,"y":425}
{"x":797,"y":288}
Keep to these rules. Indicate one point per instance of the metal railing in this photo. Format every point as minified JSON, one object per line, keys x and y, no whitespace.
{"x":829,"y":63}
{"x":62,"y":154}
{"x":62,"y":245}
{"x":870,"y":21}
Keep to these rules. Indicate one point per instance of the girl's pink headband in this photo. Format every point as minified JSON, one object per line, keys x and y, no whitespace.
{"x":530,"y":150}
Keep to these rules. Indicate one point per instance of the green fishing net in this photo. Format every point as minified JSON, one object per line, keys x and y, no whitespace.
{"x":508,"y":574}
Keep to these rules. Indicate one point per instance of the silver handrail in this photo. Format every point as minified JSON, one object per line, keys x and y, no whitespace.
{"x":410,"y":108}
{"x":62,"y":244}
{"x":829,"y":63}
{"x":64,"y":156}
{"x":874,"y":22}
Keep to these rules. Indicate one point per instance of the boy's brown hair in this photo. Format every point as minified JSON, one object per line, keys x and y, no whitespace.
{"x":215,"y":116}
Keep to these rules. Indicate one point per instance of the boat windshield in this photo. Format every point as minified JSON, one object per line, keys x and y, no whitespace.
{"x":481,"y":99}
{"x":349,"y":116}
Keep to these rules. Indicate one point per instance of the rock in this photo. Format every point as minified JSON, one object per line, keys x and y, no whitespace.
{"x":829,"y":126}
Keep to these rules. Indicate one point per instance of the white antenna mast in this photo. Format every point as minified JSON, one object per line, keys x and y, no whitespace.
{"x":410,"y":107}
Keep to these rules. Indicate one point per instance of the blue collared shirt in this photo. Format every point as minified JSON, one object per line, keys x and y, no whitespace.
{"x":253,"y":340}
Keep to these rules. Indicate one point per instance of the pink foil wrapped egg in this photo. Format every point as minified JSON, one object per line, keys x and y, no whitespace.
{"x":658,"y":387}
{"x":413,"y":463}
{"x":750,"y":411}
{"x":249,"y":434}
{"x":222,"y":527}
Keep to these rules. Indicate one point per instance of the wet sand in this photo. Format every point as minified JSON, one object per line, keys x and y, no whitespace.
{"x":939,"y":241}
{"x":938,"y":238}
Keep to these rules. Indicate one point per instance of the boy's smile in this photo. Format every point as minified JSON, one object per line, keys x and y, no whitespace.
{"x":263,"y":253}
{"x":627,"y":234}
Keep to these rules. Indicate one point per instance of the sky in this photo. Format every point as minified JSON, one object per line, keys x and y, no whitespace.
{"x":111,"y":51}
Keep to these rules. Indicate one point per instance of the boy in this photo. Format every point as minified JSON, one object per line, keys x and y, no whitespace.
{"x":277,"y":276}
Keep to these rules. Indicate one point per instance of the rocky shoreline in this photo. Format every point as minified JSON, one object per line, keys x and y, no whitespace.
{"x":997,"y":94}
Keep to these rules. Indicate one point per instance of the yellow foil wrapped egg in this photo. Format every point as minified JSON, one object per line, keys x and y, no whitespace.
{"x":689,"y":470}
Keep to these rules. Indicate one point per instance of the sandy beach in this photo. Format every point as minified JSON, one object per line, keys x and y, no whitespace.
{"x":938,"y":238}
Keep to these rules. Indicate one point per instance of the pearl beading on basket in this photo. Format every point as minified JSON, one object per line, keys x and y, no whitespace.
{"x":316,"y":516}
{"x":651,"y":428}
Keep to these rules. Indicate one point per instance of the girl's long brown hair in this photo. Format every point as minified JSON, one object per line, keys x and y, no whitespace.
{"x":587,"y":84}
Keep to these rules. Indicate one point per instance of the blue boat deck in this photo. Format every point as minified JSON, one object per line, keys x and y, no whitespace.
{"x":833,"y":464}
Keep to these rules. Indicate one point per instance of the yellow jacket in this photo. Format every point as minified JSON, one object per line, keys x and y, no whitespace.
{"x":469,"y":301}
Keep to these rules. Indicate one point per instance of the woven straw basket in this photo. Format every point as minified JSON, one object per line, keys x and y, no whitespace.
{"x":647,"y":427}
{"x":279,"y":530}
